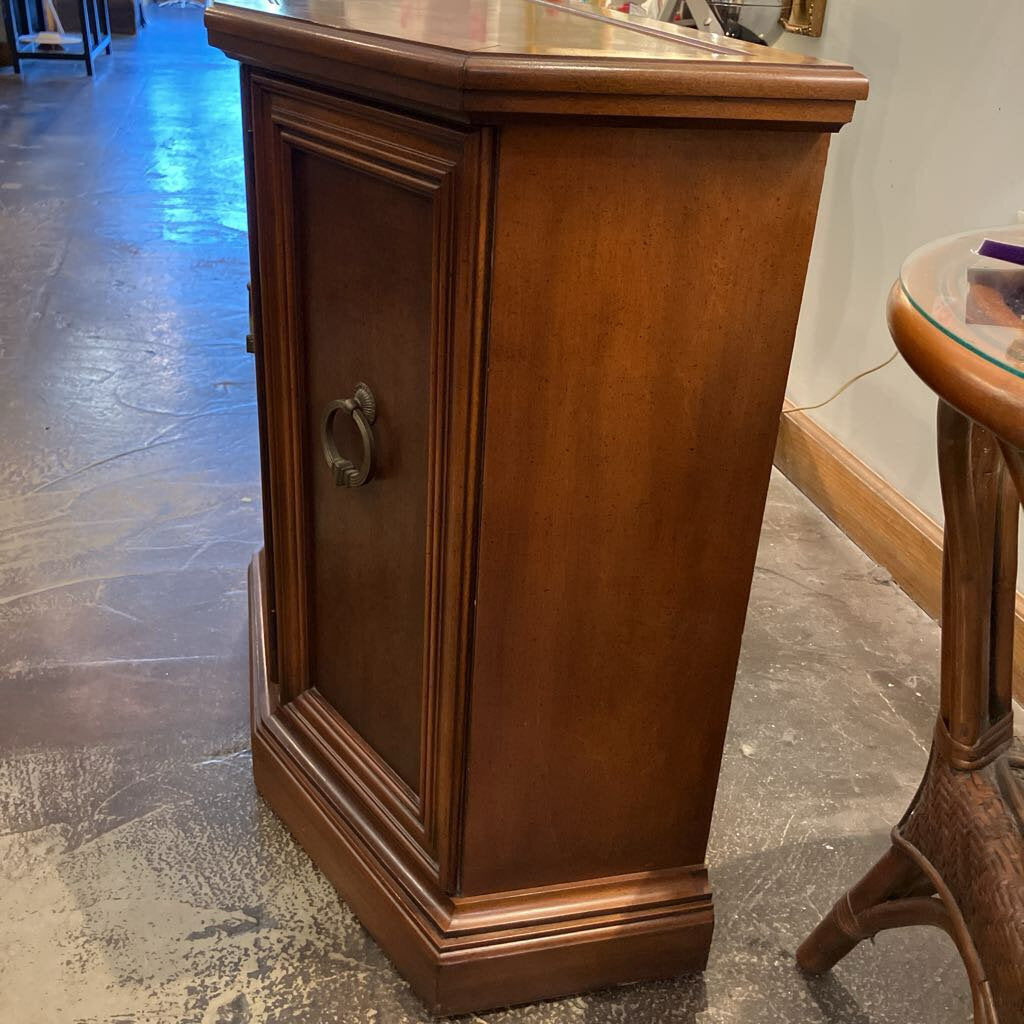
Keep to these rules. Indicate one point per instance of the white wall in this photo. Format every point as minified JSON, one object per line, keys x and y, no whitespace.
{"x":937,"y":148}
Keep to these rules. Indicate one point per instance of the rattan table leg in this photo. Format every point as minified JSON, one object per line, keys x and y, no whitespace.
{"x":957,"y":859}
{"x":855,"y":916}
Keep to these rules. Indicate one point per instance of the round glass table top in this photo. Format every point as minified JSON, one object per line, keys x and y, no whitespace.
{"x":976,"y":300}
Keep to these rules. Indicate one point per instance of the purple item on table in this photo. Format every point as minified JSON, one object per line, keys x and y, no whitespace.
{"x":1002,"y":251}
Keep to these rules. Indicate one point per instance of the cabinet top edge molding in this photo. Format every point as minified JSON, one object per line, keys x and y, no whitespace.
{"x":482,"y":59}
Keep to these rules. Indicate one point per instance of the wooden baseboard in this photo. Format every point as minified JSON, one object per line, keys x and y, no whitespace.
{"x":876,"y":517}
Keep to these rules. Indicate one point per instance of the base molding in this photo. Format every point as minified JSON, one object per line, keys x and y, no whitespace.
{"x":468,"y":954}
{"x":874,"y":515}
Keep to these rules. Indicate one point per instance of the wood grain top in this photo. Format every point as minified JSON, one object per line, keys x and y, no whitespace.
{"x":481,"y":58}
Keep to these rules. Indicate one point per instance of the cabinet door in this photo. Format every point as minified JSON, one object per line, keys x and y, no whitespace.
{"x":370,"y":226}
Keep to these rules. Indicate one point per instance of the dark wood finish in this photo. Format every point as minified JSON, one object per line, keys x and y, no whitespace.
{"x":957,"y":859}
{"x":491,"y":685}
{"x":367,"y":589}
{"x":338,"y":181}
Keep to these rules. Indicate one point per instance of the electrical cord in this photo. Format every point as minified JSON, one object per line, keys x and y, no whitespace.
{"x":842,"y":388}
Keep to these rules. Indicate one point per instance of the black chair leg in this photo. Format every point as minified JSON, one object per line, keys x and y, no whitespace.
{"x":11,"y":29}
{"x":103,"y":14}
{"x":87,"y":36}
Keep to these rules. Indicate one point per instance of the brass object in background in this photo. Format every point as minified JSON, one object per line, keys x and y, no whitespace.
{"x":805,"y":17}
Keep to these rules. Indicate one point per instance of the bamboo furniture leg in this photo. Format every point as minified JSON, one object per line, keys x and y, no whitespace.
{"x":957,"y":857}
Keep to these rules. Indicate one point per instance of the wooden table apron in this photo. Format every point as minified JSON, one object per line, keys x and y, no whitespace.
{"x":523,"y":309}
{"x":957,"y":856}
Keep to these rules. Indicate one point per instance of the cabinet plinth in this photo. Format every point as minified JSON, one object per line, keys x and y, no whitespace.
{"x":522,"y":322}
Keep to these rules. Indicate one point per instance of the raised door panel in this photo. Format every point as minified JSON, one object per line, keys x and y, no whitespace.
{"x":363,"y":257}
{"x":372,"y":226}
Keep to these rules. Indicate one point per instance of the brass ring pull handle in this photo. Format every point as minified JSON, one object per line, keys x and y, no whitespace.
{"x":362,"y":407}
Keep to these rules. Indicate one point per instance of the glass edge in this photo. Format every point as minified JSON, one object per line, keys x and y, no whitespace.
{"x":958,"y":340}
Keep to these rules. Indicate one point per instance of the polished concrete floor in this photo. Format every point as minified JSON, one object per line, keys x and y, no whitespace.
{"x":142,"y":881}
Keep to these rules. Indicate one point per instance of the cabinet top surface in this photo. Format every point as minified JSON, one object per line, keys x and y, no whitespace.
{"x":524,"y":47}
{"x":536,"y":28}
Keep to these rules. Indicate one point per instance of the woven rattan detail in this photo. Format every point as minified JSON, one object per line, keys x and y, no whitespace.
{"x":995,"y":740}
{"x":962,"y":824}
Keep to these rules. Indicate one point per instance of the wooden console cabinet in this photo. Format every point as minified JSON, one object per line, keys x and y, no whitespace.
{"x":525,"y":283}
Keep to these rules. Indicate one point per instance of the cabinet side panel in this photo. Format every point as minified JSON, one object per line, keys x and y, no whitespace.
{"x":646,"y":286}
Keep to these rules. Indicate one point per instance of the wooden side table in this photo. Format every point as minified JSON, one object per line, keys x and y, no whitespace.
{"x":957,"y":856}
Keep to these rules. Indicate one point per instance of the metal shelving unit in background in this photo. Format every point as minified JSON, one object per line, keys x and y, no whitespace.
{"x":35,"y":32}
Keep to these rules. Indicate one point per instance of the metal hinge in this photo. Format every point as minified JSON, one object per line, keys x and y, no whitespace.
{"x":250,"y":338}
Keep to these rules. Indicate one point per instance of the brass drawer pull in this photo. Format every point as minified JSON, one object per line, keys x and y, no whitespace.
{"x":362,"y":407}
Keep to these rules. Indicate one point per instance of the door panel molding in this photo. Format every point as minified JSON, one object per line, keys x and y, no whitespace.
{"x":452,"y":168}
